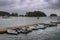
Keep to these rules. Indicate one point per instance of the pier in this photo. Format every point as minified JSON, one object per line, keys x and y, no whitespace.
{"x":4,"y":30}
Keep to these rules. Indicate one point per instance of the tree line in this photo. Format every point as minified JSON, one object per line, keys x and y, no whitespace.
{"x":36,"y":14}
{"x":28,"y":14}
{"x":3,"y":13}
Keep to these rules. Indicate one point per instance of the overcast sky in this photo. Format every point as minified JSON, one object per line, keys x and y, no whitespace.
{"x":23,"y":6}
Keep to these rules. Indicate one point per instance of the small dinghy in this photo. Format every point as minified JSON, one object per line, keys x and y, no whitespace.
{"x":11,"y":31}
{"x":25,"y":30}
{"x":40,"y":27}
{"x":29,"y":29}
{"x":33,"y":28}
{"x":19,"y":30}
{"x":5,"y":17}
{"x":52,"y":24}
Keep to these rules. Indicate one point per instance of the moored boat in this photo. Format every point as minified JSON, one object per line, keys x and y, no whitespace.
{"x":52,"y":24}
{"x":33,"y":27}
{"x":5,"y":17}
{"x":29,"y":29}
{"x":40,"y":27}
{"x":11,"y":31}
{"x":26,"y":30}
{"x":19,"y":30}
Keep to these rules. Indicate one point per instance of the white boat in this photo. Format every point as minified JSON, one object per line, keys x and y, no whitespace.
{"x":5,"y":16}
{"x":53,"y":24}
{"x":26,"y":30}
{"x":19,"y":30}
{"x":11,"y":31}
{"x":29,"y":29}
{"x":23,"y":30}
{"x":33,"y":28}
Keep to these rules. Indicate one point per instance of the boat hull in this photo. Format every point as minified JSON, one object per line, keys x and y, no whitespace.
{"x":12,"y":32}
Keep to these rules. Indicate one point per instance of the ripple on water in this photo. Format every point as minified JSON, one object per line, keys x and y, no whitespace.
{"x":51,"y":33}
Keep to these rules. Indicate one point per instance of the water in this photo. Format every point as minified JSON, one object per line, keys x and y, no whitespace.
{"x":50,"y":33}
{"x":17,"y":21}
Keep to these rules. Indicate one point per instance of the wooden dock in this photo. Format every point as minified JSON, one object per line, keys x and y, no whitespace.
{"x":4,"y":30}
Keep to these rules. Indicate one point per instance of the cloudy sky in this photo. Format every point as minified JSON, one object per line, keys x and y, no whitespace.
{"x":23,"y":6}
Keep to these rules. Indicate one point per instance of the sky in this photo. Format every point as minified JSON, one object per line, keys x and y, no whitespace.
{"x":23,"y":6}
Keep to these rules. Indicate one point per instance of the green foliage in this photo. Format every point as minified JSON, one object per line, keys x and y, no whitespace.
{"x":14,"y":14}
{"x":28,"y":14}
{"x":35,"y":14}
{"x":53,"y":14}
{"x":2,"y":13}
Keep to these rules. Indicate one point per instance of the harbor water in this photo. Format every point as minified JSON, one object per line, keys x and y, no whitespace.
{"x":17,"y":21}
{"x":50,"y":33}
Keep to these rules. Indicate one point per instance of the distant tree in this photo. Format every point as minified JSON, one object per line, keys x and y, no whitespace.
{"x":21,"y":15}
{"x":36,"y":14}
{"x":53,"y":15}
{"x":3,"y":13}
{"x":14,"y":14}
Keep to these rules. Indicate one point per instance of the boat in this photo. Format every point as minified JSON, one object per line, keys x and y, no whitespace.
{"x":40,"y":27}
{"x":19,"y":30}
{"x":52,"y":24}
{"x":33,"y":27}
{"x":29,"y":29}
{"x":24,"y":30}
{"x":5,"y":17}
{"x":11,"y":31}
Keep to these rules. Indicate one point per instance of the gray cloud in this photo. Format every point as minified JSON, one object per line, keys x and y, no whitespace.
{"x":5,"y":2}
{"x":54,"y":4}
{"x":22,"y":6}
{"x":17,"y":4}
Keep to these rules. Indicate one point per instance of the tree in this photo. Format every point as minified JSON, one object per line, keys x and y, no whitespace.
{"x":53,"y":15}
{"x":36,"y":14}
{"x":14,"y":14}
{"x":21,"y":15}
{"x":3,"y":13}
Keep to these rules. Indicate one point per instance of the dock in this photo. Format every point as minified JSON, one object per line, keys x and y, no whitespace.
{"x":4,"y":30}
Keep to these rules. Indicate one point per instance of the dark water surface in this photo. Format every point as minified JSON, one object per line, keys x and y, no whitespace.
{"x":51,"y":33}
